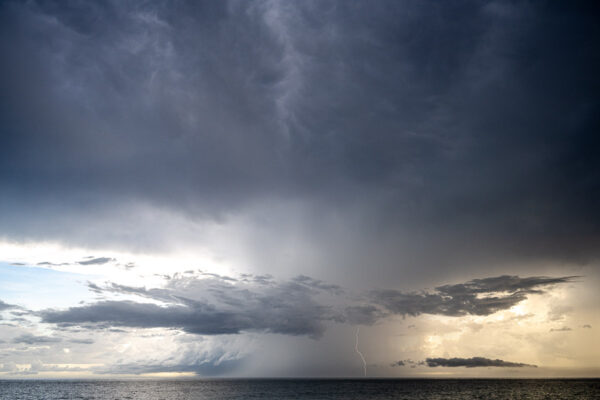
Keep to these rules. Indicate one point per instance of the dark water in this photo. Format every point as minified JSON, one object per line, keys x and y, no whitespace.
{"x":303,"y":389}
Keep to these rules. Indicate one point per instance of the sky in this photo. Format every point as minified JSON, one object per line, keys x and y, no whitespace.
{"x":299,"y":189}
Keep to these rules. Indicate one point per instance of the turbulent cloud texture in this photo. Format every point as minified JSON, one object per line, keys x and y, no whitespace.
{"x":217,"y":304}
{"x":467,"y":126}
{"x":477,"y":297}
{"x":210,"y":306}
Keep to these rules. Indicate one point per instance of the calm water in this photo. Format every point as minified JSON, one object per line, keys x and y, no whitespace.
{"x":302,"y":389}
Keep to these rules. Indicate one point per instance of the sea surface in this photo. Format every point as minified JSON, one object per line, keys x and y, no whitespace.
{"x":366,"y":389}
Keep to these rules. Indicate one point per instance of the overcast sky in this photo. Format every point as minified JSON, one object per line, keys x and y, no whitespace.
{"x":281,"y":188}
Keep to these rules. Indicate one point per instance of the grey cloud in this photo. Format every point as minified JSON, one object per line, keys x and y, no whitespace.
{"x":215,"y":305}
{"x":202,"y":319}
{"x":457,"y":126}
{"x":32,"y":339}
{"x":317,"y":284}
{"x":473,"y":362}
{"x":363,"y":314}
{"x":51,"y":264}
{"x":94,"y":288}
{"x":407,"y":362}
{"x":82,"y":341}
{"x":504,"y":283}
{"x":96,"y":261}
{"x":476,"y":297}
{"x":588,"y":326}
{"x":262,"y":279}
{"x":6,"y":306}
{"x":561,"y":329}
{"x":20,"y":313}
{"x":9,"y":366}
{"x":559,"y":312}
{"x":222,"y":308}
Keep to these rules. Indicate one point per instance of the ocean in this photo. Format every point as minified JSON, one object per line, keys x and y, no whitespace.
{"x":322,"y":389}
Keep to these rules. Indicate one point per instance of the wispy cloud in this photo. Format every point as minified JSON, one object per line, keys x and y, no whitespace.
{"x":32,"y":339}
{"x":96,"y":261}
{"x":561,"y":329}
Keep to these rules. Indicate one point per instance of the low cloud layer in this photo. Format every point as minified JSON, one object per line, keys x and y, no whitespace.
{"x":211,"y":304}
{"x":473,"y":362}
{"x":32,"y":339}
{"x":476,"y":297}
{"x":96,"y":261}
{"x":561,"y":329}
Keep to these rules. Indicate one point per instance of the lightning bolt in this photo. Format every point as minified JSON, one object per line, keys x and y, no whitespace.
{"x":358,"y":351}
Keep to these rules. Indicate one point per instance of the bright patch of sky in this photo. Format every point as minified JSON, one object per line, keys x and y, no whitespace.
{"x":38,"y":288}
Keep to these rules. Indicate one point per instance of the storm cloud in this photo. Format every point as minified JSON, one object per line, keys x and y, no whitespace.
{"x":345,"y":162}
{"x":468,"y":125}
{"x":477,"y":297}
{"x":473,"y":362}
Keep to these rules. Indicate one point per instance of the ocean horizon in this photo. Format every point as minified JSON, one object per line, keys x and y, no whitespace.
{"x":301,"y":388}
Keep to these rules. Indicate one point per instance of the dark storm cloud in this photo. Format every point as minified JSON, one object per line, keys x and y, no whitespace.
{"x":476,"y":297}
{"x":286,"y":308}
{"x":473,"y":362}
{"x":407,"y":362}
{"x":505,"y":283}
{"x":471,"y":124}
{"x":363,"y":314}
